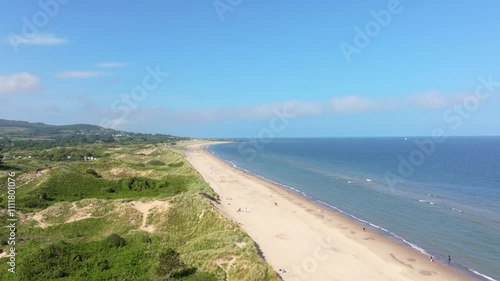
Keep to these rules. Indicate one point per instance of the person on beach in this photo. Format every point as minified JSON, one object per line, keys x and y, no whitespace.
{"x":364,"y":229}
{"x":276,"y":204}
{"x":449,"y":259}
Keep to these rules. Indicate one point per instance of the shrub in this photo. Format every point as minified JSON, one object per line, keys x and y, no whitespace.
{"x":137,"y":183}
{"x":93,"y":173}
{"x":147,"y":239}
{"x":54,"y":257}
{"x":103,"y":265}
{"x":182,"y":273}
{"x":178,"y":164}
{"x":33,"y":202}
{"x":115,"y":240}
{"x":162,"y":184}
{"x":169,"y":262}
{"x":155,"y":162}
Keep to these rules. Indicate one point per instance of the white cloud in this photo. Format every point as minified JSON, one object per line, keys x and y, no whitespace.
{"x":111,"y":64}
{"x":37,"y":39}
{"x":251,"y":112}
{"x":338,"y":105}
{"x":296,"y":108}
{"x":23,"y":82}
{"x":81,"y":74}
{"x":353,"y":104}
{"x":430,"y":100}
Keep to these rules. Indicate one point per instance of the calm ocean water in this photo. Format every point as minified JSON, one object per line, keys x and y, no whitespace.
{"x":442,"y":201}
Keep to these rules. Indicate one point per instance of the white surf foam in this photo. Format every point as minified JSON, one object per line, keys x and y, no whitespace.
{"x":425,"y":201}
{"x":401,"y":239}
{"x":482,"y":275}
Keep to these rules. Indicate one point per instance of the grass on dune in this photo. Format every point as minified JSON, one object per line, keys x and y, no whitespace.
{"x":205,"y":236}
{"x":191,"y":241}
{"x":72,"y":186}
{"x":208,"y":246}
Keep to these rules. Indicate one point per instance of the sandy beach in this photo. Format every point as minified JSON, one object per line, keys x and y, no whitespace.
{"x":304,"y":241}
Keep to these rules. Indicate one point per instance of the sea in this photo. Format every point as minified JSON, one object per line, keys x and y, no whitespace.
{"x":439,"y":196}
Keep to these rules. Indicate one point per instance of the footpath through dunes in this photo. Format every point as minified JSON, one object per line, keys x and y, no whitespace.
{"x":134,"y":210}
{"x":304,"y":241}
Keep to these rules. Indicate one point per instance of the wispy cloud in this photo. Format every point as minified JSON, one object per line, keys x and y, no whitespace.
{"x":299,"y":108}
{"x":334,"y":106}
{"x":354,"y":104}
{"x":111,"y":64}
{"x":431,"y":100}
{"x":23,"y":82}
{"x":338,"y":105}
{"x":80,"y":74}
{"x":37,"y":39}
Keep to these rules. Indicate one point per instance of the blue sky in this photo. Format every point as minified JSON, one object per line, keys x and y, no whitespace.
{"x":230,"y":68}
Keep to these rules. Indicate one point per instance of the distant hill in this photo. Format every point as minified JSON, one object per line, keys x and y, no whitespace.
{"x":13,"y":128}
{"x":39,"y":135}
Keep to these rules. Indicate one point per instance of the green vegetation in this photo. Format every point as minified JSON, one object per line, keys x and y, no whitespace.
{"x":178,"y":164}
{"x":15,"y":135}
{"x":68,"y":185}
{"x":115,"y":240}
{"x":155,"y":162}
{"x":138,"y":212}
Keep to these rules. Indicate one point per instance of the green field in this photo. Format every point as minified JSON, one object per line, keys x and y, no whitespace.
{"x":138,"y":212}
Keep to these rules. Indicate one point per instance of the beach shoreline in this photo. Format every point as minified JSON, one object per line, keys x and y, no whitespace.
{"x":303,"y":240}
